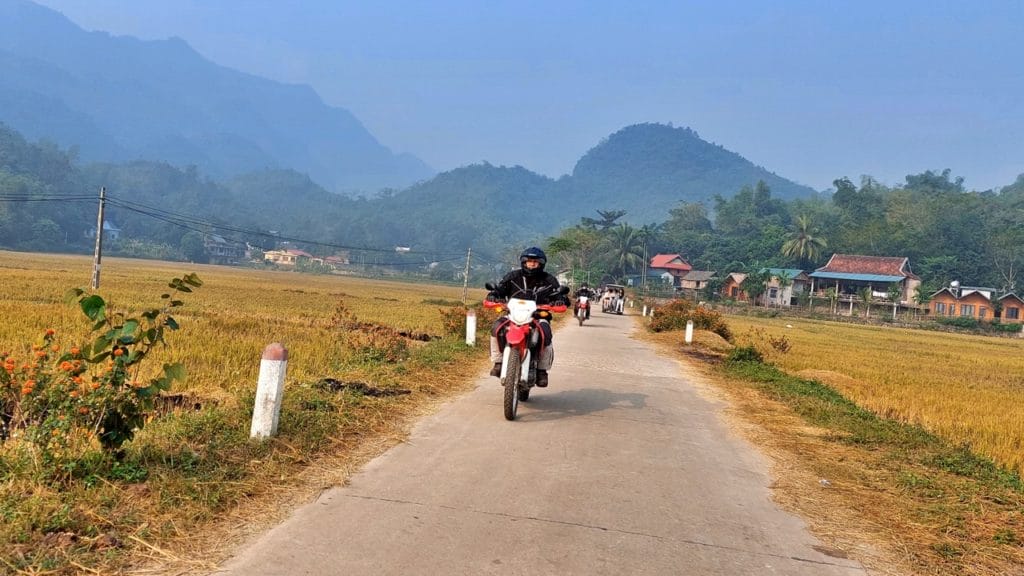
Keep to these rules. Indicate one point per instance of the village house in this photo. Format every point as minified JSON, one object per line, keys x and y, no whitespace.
{"x":221,"y":251}
{"x":732,"y":288}
{"x":110,"y":231}
{"x":977,"y":303}
{"x":673,"y":264}
{"x":1011,"y":306}
{"x":289,"y":257}
{"x":849,"y":274}
{"x":784,"y":285}
{"x":971,"y":304}
{"x":696,"y":280}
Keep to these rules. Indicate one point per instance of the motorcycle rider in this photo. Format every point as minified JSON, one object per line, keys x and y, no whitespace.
{"x":584,"y":290}
{"x":529,"y":277}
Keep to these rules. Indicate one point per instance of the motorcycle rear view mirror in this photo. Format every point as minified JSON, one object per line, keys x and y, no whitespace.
{"x":562,"y":290}
{"x":490,"y":286}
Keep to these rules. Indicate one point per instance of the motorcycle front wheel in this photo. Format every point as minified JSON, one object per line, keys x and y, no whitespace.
{"x":512,"y":376}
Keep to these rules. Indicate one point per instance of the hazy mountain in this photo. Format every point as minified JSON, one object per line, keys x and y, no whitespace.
{"x":646,"y":169}
{"x":119,"y":98}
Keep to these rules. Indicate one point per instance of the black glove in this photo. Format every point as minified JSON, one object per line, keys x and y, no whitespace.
{"x":492,"y":297}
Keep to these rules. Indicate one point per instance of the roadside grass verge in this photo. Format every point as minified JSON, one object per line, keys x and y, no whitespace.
{"x":896,"y":496}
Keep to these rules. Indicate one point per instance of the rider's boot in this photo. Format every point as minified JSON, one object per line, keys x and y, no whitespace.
{"x":542,"y":379}
{"x":496,"y":369}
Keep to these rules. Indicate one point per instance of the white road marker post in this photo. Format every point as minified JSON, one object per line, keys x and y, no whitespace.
{"x":269,"y":391}
{"x":689,"y":331}
{"x":644,"y":314}
{"x":471,"y":327}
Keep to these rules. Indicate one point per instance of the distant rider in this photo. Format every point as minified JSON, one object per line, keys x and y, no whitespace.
{"x":530,"y":277}
{"x":583,"y":291}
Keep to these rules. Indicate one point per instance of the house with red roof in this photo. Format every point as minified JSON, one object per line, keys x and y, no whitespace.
{"x":674,"y":264}
{"x":849,"y":274}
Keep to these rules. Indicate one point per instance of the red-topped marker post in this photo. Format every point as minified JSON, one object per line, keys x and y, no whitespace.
{"x":269,"y":391}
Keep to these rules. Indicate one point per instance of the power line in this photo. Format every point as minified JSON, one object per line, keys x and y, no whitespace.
{"x":204,"y":226}
{"x":186,"y":220}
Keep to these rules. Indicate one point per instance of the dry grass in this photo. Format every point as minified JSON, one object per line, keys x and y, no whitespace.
{"x":968,"y":389}
{"x":208,"y":487}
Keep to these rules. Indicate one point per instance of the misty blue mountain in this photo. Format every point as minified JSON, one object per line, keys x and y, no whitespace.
{"x":119,"y":99}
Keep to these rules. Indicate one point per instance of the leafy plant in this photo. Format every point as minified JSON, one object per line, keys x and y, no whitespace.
{"x":59,"y":399}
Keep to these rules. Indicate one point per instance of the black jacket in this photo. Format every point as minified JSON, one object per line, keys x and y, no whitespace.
{"x":585,"y":292}
{"x":516,"y":284}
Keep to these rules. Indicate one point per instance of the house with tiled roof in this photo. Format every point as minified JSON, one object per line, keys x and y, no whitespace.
{"x":673,"y":264}
{"x":849,"y":274}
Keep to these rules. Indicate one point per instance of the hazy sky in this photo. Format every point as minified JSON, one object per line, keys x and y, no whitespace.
{"x":811,"y":90}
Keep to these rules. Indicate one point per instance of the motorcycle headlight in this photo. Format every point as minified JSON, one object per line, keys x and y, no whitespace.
{"x":520,"y":316}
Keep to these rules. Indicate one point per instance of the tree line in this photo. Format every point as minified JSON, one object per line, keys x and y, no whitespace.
{"x":947,"y":232}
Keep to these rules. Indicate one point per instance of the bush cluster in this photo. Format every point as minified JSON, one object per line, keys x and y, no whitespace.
{"x":675,"y":315}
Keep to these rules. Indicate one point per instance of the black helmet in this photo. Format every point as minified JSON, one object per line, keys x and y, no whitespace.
{"x":533,"y":253}
{"x":583,"y":285}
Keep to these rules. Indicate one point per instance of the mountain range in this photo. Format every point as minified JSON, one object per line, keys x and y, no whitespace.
{"x":118,"y":98}
{"x":154,"y":121}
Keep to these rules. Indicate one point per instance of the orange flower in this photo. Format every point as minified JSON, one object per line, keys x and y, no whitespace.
{"x":77,"y":379}
{"x":30,"y":383}
{"x":118,"y":351}
{"x":66,"y":366}
{"x":50,"y":331}
{"x":95,"y":385}
{"x":41,"y":354}
{"x":83,"y":410}
{"x":26,"y":390}
{"x":75,"y":350}
{"x":73,"y":393}
{"x":55,"y":348}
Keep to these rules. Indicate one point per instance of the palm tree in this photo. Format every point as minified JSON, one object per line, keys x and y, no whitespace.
{"x":801,"y":243}
{"x":623,"y":246}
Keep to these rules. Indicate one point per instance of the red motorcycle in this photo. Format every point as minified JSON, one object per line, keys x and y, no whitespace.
{"x":582,"y":308}
{"x":522,"y":336}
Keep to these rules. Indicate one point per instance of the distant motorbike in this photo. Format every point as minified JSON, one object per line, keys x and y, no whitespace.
{"x":582,"y":307}
{"x":521,"y":335}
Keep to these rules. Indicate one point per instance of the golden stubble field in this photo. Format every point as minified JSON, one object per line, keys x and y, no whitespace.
{"x":191,"y":474}
{"x":227,"y":322}
{"x":966,"y":388}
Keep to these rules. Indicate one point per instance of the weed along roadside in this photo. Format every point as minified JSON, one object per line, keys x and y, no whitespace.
{"x":182,"y":481}
{"x":854,"y":459}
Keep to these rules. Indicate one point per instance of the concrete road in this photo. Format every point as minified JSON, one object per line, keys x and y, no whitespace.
{"x":618,"y":467}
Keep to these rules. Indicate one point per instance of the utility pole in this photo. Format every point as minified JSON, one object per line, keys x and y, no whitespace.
{"x":465,"y":277}
{"x":643,"y":281}
{"x":99,"y":241}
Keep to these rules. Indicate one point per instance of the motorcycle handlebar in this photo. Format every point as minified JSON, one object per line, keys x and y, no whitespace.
{"x":549,"y":308}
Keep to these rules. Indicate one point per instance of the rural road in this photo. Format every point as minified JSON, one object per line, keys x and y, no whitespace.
{"x":618,"y":467}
